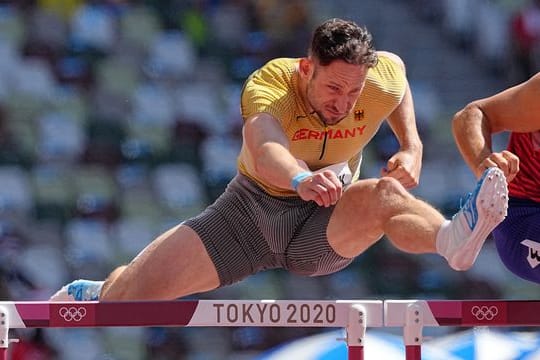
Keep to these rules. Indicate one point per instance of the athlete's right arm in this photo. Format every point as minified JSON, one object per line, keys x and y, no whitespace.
{"x":269,"y":147}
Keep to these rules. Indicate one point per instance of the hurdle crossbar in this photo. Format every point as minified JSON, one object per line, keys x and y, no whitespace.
{"x":413,"y":315}
{"x":354,"y":316}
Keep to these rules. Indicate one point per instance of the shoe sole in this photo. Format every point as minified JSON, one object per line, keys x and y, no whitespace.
{"x":492,"y":206}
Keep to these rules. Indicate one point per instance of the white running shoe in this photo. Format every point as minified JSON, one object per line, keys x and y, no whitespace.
{"x":486,"y":207}
{"x":79,"y":290}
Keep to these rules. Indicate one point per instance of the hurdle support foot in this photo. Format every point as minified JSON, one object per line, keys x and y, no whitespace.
{"x":356,"y":332}
{"x":412,"y":331}
{"x":4,"y":333}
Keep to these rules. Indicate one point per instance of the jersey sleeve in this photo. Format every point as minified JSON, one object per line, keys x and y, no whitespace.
{"x":389,"y":79}
{"x":267,"y":90}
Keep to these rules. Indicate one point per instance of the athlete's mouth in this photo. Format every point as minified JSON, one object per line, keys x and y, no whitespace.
{"x":335,"y":113}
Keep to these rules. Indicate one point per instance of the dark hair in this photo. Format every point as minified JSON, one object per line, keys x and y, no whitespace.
{"x":338,"y":39}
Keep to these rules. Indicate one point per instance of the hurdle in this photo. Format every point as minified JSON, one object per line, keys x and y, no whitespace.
{"x":355,"y":316}
{"x":352,"y":315}
{"x":413,"y":315}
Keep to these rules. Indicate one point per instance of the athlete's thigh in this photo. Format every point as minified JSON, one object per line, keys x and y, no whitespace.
{"x":175,"y":264}
{"x":309,"y":252}
{"x":356,"y":222}
{"x":518,"y":241}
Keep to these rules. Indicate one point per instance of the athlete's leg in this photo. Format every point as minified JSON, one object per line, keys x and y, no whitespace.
{"x":374,"y":207}
{"x":383,"y":206}
{"x":220,"y":246}
{"x":174,"y":265}
{"x":518,"y":239}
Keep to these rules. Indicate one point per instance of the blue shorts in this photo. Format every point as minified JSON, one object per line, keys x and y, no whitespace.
{"x":518,"y":239}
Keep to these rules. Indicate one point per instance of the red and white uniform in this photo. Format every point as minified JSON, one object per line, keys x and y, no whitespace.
{"x":526,"y":184}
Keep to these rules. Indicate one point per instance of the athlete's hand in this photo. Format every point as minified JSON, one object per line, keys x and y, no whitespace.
{"x":323,"y":187}
{"x":505,"y":160}
{"x":404,"y":166}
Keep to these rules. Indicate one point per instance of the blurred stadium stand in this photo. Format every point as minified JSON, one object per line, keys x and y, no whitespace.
{"x":121,"y":118}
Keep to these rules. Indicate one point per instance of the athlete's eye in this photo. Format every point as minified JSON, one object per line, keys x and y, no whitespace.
{"x":333,"y":88}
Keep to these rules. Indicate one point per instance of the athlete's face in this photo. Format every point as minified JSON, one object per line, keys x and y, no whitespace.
{"x":332,"y":90}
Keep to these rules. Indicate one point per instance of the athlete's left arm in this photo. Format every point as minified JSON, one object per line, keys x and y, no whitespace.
{"x":406,"y":164}
{"x":514,"y":109}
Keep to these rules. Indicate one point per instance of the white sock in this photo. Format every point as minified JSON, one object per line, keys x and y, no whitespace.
{"x":449,"y":233}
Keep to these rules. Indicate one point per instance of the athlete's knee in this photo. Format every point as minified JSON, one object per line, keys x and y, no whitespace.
{"x":390,"y":184}
{"x":379,"y":192}
{"x":388,"y":187}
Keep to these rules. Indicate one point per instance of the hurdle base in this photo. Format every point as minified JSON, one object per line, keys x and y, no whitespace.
{"x":356,"y":352}
{"x":413,"y":352}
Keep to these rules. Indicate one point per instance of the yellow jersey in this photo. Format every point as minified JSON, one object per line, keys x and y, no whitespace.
{"x":274,"y":89}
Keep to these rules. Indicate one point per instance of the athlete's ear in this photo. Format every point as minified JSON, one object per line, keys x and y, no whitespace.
{"x":306,"y":67}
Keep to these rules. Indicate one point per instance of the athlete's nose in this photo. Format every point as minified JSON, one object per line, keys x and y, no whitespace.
{"x":342,"y":104}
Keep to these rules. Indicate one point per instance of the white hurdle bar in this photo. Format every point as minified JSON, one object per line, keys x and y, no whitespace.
{"x":352,"y":315}
{"x":413,"y":315}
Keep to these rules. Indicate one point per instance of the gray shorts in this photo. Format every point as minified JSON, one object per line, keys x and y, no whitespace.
{"x":246,"y":230}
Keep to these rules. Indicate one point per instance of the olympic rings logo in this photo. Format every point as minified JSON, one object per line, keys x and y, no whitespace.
{"x":72,"y":313}
{"x":484,"y":312}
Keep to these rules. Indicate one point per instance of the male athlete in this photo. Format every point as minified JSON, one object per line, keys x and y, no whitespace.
{"x":296,"y":202}
{"x":516,"y":109}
